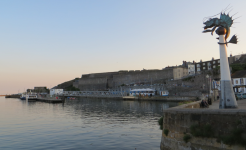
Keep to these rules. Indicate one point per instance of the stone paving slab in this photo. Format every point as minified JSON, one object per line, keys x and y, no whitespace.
{"x":241,"y":104}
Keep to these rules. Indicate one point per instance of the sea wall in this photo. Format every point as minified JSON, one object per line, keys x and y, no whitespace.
{"x":215,"y":124}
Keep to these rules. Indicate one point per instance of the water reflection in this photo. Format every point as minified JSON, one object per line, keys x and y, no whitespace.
{"x":96,"y":124}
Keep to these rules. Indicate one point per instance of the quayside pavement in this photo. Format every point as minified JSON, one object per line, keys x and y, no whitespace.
{"x":241,"y":104}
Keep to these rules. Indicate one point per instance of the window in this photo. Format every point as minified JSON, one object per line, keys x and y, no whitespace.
{"x":213,"y":62}
{"x":218,"y":61}
{"x":213,"y":66}
{"x":203,"y":63}
{"x":198,"y":69}
{"x":236,"y":81}
{"x":241,"y":81}
{"x":198,"y":65}
{"x":204,"y":67}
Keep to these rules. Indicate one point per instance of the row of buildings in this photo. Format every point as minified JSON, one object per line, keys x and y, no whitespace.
{"x":239,"y":81}
{"x":44,"y":90}
{"x":196,"y":67}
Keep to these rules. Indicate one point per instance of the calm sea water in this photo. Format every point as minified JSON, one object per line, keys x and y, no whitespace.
{"x":88,"y":124}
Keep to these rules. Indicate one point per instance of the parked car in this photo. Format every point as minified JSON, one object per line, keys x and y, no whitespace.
{"x":244,"y":95}
{"x":239,"y":95}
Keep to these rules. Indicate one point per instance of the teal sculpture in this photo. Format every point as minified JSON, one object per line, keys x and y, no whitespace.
{"x":224,"y":21}
{"x":227,"y":96}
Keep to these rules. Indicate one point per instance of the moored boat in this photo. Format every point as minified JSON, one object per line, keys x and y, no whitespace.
{"x":29,"y":96}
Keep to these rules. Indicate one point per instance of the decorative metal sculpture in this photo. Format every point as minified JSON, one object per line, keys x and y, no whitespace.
{"x":224,"y":21}
{"x":227,"y":96}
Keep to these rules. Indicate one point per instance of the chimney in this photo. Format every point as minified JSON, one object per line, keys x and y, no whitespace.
{"x":212,"y":58}
{"x":193,"y":61}
{"x":200,"y":60}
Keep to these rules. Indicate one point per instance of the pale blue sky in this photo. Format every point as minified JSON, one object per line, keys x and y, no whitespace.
{"x":46,"y":42}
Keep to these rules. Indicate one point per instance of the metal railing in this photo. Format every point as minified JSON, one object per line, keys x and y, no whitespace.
{"x":94,"y":93}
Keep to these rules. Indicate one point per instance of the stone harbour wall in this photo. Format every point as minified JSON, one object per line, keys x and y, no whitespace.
{"x":222,"y":123}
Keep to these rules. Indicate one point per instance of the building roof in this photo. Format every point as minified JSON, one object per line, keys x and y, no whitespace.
{"x":241,"y":60}
{"x":239,"y":74}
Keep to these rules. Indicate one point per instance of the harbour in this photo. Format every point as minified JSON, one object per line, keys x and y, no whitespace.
{"x":123,"y":75}
{"x":84,"y":123}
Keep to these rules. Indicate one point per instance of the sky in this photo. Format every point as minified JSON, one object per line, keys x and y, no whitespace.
{"x":45,"y":43}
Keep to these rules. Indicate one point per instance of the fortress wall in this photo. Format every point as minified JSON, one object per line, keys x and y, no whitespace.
{"x":110,"y":83}
{"x":142,"y":76}
{"x":87,"y":84}
{"x":103,"y":81}
{"x":99,"y":75}
{"x":76,"y":84}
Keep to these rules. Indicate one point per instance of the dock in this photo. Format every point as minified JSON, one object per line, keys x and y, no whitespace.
{"x":162,"y":98}
{"x":50,"y":100}
{"x":12,"y":96}
{"x":130,"y":97}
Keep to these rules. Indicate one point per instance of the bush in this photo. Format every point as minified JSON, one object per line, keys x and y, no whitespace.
{"x":72,"y":88}
{"x":238,"y":67}
{"x":166,"y":131}
{"x":234,"y":138}
{"x":202,"y":131}
{"x":186,"y":138}
{"x":160,"y":122}
{"x":187,"y":79}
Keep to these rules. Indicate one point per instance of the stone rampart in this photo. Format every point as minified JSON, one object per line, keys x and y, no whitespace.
{"x":204,"y":129}
{"x":99,"y":75}
{"x":99,"y":81}
{"x":88,"y":84}
{"x":144,"y":76}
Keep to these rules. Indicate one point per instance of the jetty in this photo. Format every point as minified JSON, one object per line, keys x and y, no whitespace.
{"x":50,"y":100}
{"x":12,"y":96}
{"x":124,"y":96}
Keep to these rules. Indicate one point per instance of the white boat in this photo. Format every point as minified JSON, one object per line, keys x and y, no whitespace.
{"x":29,"y":96}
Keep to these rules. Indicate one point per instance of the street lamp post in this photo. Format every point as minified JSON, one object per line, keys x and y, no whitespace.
{"x":207,"y":76}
